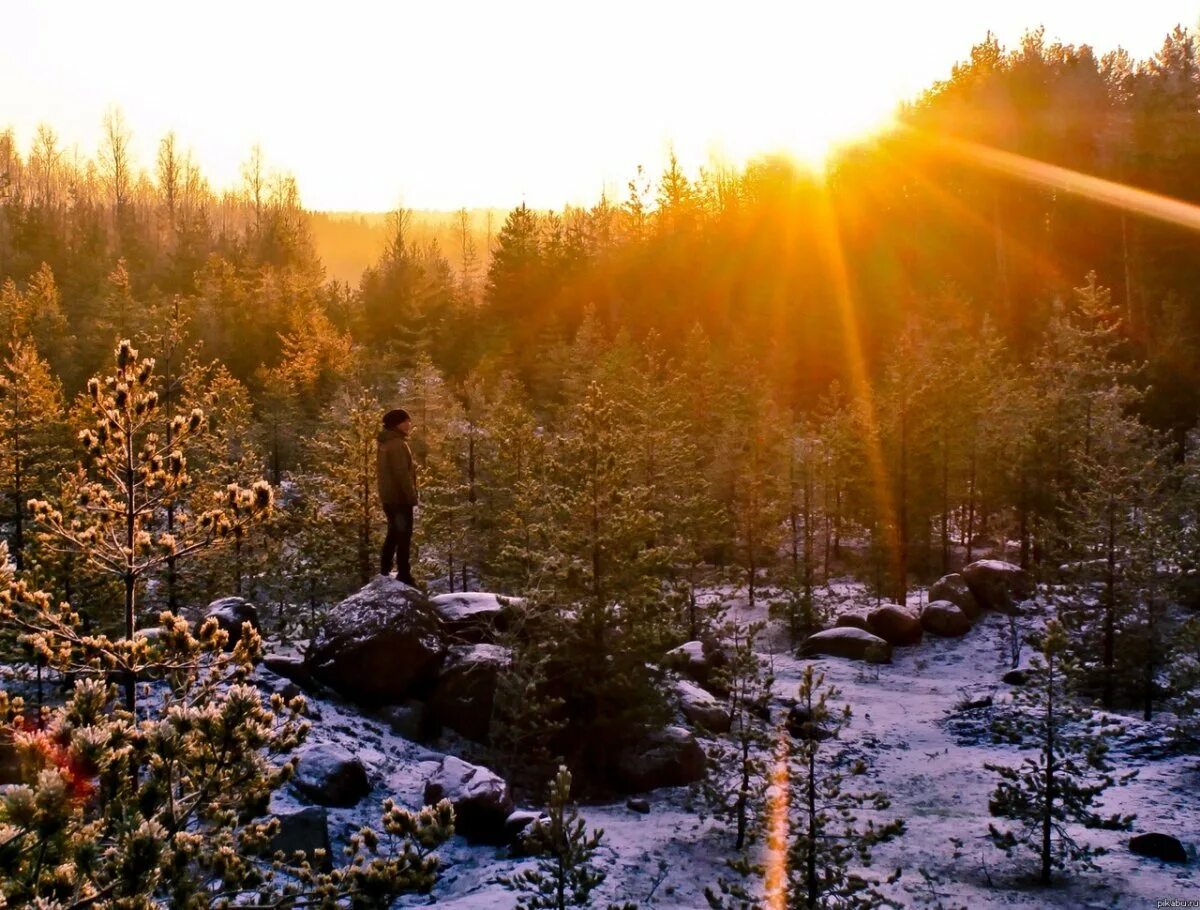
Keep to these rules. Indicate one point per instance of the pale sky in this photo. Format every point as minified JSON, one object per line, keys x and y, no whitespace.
{"x":444,"y":103}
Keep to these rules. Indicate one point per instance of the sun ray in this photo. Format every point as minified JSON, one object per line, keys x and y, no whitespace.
{"x":1106,"y":192}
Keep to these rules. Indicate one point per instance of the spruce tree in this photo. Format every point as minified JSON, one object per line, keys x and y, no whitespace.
{"x":33,"y":437}
{"x":1059,"y":786}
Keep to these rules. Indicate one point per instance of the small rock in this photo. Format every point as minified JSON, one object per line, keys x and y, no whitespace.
{"x":331,"y":776}
{"x":231,"y":613}
{"x":1159,"y":846}
{"x":481,"y":800}
{"x":638,"y":804}
{"x":407,"y":720}
{"x":1016,"y":677}
{"x":306,"y":831}
{"x":292,"y":668}
{"x":800,"y":725}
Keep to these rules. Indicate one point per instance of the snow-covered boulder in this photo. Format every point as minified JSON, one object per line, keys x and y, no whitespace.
{"x":330,"y":775}
{"x":696,"y":660}
{"x":701,"y":708}
{"x":473,"y":617}
{"x":381,"y":645}
{"x":941,"y":617}
{"x":1159,"y":846}
{"x":304,"y":831}
{"x":895,"y":624}
{"x":856,"y":644}
{"x":853,"y":619}
{"x":230,"y":613}
{"x":481,"y":800}
{"x":998,"y":585}
{"x":670,"y":757}
{"x":292,"y":668}
{"x":954,"y":588}
{"x":466,"y":689}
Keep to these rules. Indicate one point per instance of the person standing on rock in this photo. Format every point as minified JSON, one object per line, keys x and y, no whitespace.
{"x":398,"y":493}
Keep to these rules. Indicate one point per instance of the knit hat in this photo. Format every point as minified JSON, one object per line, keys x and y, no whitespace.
{"x":393,"y":419}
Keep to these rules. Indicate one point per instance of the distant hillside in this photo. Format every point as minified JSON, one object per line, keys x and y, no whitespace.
{"x":349,"y":242}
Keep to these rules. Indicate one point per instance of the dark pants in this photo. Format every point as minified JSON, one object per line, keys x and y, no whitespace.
{"x":397,"y":545}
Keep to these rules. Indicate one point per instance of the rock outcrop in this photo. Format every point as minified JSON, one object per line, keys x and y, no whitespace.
{"x":941,"y":617}
{"x":856,"y":644}
{"x":895,"y":624}
{"x":481,"y":799}
{"x":466,"y":689}
{"x":670,"y":757}
{"x":999,"y":585}
{"x":382,"y":645}
{"x":330,"y":776}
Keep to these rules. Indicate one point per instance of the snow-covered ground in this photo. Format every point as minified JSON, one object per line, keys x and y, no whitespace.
{"x":933,"y":771}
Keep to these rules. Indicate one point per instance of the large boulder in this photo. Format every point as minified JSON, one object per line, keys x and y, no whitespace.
{"x":999,"y":585}
{"x":1159,"y":846}
{"x":853,"y":619}
{"x":482,"y":803}
{"x":955,"y":589}
{"x":895,"y":624}
{"x":670,"y":757}
{"x":856,"y":644}
{"x":701,"y":708}
{"x":381,"y":645}
{"x":466,"y":689}
{"x":941,"y":617}
{"x":231,"y":613}
{"x":305,"y":831}
{"x":472,"y":617}
{"x":330,"y":776}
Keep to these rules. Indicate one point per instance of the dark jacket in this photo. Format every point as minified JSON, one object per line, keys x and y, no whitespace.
{"x":396,"y":470}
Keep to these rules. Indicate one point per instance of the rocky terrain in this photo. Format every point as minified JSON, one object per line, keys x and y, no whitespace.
{"x":401,"y":706}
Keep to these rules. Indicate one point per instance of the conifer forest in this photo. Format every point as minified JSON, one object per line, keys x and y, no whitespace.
{"x":786,"y":536}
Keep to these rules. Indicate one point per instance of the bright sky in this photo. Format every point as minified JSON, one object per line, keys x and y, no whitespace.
{"x":443,"y":103}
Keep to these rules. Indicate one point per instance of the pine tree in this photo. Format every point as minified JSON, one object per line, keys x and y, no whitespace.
{"x":566,"y":872}
{"x":1060,"y":786}
{"x":119,"y":528}
{"x":740,"y":765}
{"x":824,"y":835}
{"x":112,"y":812}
